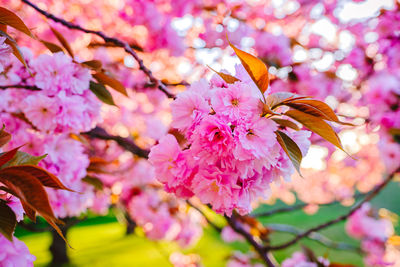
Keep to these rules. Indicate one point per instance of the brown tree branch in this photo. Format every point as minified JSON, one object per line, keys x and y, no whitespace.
{"x":211,"y":223}
{"x":284,"y":228}
{"x":368,"y":197}
{"x":125,"y":143}
{"x":262,"y":252}
{"x":126,"y":46}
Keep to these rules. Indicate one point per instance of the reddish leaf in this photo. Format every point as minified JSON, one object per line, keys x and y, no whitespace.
{"x":31,"y":193}
{"x":257,"y":70}
{"x":93,"y":64}
{"x":7,"y":156}
{"x":8,"y":220}
{"x":103,"y":78}
{"x":316,"y":125}
{"x":274,"y":100}
{"x":318,"y":107}
{"x":47,"y":179}
{"x":28,"y":189}
{"x":308,"y":109}
{"x":62,"y":41}
{"x":226,"y":77}
{"x":52,"y":47}
{"x":286,"y":123}
{"x":4,"y":137}
{"x":9,"y":18}
{"x":31,"y":213}
{"x":16,"y":51}
{"x":291,"y":149}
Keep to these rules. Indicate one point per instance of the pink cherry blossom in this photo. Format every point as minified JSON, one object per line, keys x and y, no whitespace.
{"x":58,"y":73}
{"x":188,"y":110}
{"x":41,"y":110}
{"x":15,"y":253}
{"x":235,"y":102}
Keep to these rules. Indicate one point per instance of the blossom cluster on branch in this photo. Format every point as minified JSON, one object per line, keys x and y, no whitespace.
{"x":101,"y":85}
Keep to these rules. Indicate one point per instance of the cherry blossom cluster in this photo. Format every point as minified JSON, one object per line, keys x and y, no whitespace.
{"x":373,"y":231}
{"x":299,"y":259}
{"x":64,"y":104}
{"x":163,"y":219}
{"x":238,"y":259}
{"x":161,"y":216}
{"x":231,"y":156}
{"x":15,"y":253}
{"x":43,"y":120}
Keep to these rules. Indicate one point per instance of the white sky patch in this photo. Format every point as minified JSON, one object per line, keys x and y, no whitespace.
{"x":207,"y":56}
{"x":325,"y":28}
{"x":229,"y":62}
{"x":349,"y":141}
{"x":315,"y":158}
{"x":346,"y":72}
{"x":325,"y":62}
{"x":362,"y":10}
{"x":182,"y":25}
{"x":299,"y":54}
{"x":346,"y":40}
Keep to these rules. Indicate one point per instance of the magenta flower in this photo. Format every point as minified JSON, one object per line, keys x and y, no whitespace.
{"x":235,"y":102}
{"x":188,"y":109}
{"x":217,"y":188}
{"x":255,"y":139}
{"x":41,"y":110}
{"x":15,"y":253}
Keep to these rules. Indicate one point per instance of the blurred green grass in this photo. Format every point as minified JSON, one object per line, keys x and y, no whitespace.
{"x":101,"y":241}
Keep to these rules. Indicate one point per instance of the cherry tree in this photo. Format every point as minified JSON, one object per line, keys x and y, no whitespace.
{"x":171,"y":110}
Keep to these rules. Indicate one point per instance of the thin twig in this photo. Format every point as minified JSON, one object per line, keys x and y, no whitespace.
{"x":368,"y":197}
{"x":20,"y":86}
{"x":313,"y":236}
{"x":126,"y":46}
{"x":262,"y":252}
{"x":296,"y":207}
{"x":211,"y":223}
{"x":125,"y":143}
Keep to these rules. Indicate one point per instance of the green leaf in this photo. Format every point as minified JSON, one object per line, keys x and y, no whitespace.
{"x":96,"y":182}
{"x":9,"y":18}
{"x":23,"y":158}
{"x":102,"y":93}
{"x":8,"y":220}
{"x":291,"y":148}
{"x":103,"y":78}
{"x":8,"y":155}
